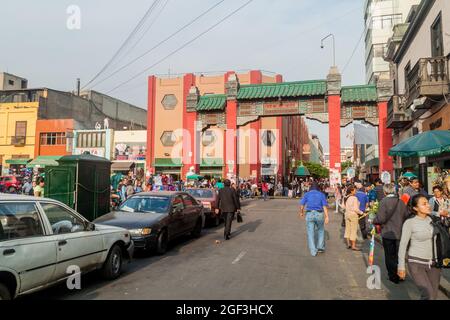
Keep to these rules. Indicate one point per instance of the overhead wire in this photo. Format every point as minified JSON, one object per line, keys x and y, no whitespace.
{"x":161,"y":42}
{"x":125,"y":43}
{"x":184,"y":45}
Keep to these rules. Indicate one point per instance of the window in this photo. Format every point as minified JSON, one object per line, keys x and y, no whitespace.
{"x":62,"y":220}
{"x":188,"y":200}
{"x":53,"y":138}
{"x":11,"y":82}
{"x":208,"y":138}
{"x":168,"y":139}
{"x":268,"y":138}
{"x":21,"y":129}
{"x":437,"y":47}
{"x":91,"y":140}
{"x":177,"y":203}
{"x":169,"y":102}
{"x":19,"y":220}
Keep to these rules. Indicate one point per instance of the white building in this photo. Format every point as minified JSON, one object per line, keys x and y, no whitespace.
{"x":380,"y":17}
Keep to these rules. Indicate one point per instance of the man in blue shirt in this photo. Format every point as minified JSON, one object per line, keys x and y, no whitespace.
{"x":315,"y":204}
{"x":363,"y":205}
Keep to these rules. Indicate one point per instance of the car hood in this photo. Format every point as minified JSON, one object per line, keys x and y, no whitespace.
{"x":130,"y":220}
{"x":103,"y":227}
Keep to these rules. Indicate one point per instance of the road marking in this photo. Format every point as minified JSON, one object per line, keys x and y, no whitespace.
{"x":239,"y":257}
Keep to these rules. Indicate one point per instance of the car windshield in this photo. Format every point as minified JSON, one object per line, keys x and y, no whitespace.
{"x":200,"y":193}
{"x":146,"y":205}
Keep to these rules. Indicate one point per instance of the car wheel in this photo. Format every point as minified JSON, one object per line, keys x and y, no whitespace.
{"x":113,"y":264}
{"x":197,"y":231}
{"x":162,"y":242}
{"x":4,"y":293}
{"x":12,"y":190}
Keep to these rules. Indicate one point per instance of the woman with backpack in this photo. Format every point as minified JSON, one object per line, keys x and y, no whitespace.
{"x":417,"y":241}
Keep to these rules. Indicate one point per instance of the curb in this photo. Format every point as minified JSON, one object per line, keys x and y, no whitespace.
{"x":444,"y":285}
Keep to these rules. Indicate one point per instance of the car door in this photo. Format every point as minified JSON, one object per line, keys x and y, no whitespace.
{"x":177,"y":225}
{"x":76,"y":246}
{"x":190,"y":211}
{"x":26,"y":247}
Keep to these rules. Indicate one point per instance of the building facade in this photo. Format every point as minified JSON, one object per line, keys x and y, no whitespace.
{"x":11,"y":82}
{"x":41,"y":122}
{"x":419,"y":60}
{"x":380,"y":17}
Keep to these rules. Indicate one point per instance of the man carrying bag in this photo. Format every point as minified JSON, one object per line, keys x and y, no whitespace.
{"x":228,"y":203}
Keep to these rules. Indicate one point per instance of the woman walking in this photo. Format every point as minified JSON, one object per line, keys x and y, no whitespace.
{"x":417,"y":233}
{"x":352,"y":213}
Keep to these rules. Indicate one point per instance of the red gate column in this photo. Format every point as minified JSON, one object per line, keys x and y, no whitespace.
{"x":230,"y":141}
{"x":151,"y":105}
{"x":190,"y":145}
{"x":255,"y":160}
{"x":385,"y":91}
{"x":334,"y":117}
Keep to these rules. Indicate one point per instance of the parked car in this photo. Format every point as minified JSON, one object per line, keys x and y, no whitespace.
{"x":209,"y":200}
{"x":156,"y":218}
{"x":11,"y":184}
{"x":41,"y":238}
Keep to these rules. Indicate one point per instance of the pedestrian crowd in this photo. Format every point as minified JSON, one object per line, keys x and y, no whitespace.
{"x":413,"y":225}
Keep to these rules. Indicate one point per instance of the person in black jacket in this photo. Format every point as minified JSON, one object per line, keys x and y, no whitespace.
{"x":392,"y":213}
{"x":228,"y":203}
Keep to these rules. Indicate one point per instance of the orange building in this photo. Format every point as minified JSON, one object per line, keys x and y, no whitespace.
{"x":51,"y":137}
{"x":179,"y":138}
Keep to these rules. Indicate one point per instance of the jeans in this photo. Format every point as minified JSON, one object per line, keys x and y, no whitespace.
{"x":315,"y":224}
{"x":265,"y":195}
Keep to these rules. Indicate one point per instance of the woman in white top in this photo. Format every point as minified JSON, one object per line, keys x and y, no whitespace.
{"x":352,"y":213}
{"x":417,"y":239}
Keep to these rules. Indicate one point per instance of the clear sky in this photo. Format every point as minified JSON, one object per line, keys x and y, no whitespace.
{"x":281,"y":36}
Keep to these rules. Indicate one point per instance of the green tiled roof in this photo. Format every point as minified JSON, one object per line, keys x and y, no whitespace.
{"x":366,"y":93}
{"x":285,"y":89}
{"x":168,"y":162}
{"x":212,"y":102}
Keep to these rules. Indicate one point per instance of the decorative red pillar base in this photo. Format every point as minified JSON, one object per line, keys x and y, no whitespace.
{"x":334,"y":113}
{"x":384,"y":140}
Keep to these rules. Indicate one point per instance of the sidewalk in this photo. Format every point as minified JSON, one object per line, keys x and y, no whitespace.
{"x":444,"y":286}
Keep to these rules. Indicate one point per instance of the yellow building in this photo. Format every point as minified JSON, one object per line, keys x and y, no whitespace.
{"x":17,"y":133}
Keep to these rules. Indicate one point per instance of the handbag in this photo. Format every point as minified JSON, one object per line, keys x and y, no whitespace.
{"x":239,"y":217}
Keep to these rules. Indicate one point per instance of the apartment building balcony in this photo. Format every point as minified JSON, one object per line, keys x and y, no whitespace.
{"x":397,"y":116}
{"x":18,"y":141}
{"x":428,"y":78}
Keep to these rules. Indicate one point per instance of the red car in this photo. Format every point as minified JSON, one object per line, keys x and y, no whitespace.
{"x":10,"y":184}
{"x":209,"y":200}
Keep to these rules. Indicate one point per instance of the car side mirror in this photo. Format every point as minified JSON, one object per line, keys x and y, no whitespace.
{"x":90,"y":226}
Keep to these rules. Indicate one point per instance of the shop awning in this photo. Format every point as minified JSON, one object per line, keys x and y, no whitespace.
{"x":17,"y":161}
{"x":122,"y":166}
{"x":375,"y":162}
{"x":164,"y":162}
{"x":43,"y":161}
{"x":302,"y":171}
{"x":430,"y":143}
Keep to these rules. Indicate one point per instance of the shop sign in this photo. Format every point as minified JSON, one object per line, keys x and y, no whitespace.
{"x":99,"y":152}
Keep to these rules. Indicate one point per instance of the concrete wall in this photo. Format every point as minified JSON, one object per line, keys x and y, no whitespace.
{"x":420,"y":47}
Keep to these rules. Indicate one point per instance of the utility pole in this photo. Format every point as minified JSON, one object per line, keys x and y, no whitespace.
{"x":78,"y":86}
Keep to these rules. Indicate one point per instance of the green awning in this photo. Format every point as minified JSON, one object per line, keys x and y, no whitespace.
{"x":212,"y":102}
{"x":426,"y":144}
{"x":17,"y":161}
{"x":43,"y":161}
{"x":365,"y":93}
{"x":194,"y":177}
{"x":167,"y":162}
{"x":212,"y":162}
{"x":302,"y":171}
{"x":283,"y":90}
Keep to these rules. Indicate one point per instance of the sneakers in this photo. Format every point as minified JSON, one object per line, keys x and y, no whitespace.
{"x":321,"y":251}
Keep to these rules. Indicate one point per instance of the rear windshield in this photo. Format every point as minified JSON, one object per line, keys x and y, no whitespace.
{"x":146,"y":204}
{"x":200,"y":193}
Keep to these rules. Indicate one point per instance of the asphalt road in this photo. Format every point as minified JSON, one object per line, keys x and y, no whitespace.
{"x":267,"y":258}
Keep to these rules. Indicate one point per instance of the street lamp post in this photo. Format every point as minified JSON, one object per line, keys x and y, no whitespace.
{"x":334,"y":47}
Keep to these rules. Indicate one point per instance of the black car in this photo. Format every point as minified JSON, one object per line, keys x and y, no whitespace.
{"x":155,"y":218}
